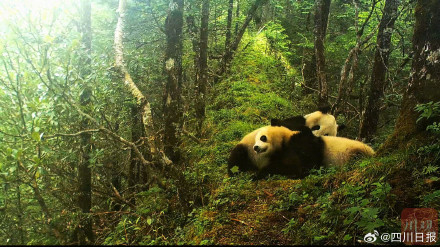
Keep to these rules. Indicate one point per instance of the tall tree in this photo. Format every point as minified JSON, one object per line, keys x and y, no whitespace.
{"x":378,"y":77}
{"x":322,"y":11}
{"x":425,"y":74}
{"x":203,"y":65}
{"x":135,"y":163}
{"x":84,"y":170}
{"x":172,"y":109}
{"x":237,"y":15}
{"x":228,"y":28}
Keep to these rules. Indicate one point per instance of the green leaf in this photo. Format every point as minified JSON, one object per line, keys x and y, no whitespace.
{"x":319,"y":238}
{"x":36,"y":136}
{"x":347,"y":237}
{"x":149,"y":221}
{"x":234,"y":169}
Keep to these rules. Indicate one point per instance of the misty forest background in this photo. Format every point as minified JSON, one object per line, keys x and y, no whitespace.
{"x":117,"y":118}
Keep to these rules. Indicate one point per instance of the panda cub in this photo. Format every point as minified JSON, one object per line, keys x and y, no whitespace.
{"x":321,"y":122}
{"x":278,"y":150}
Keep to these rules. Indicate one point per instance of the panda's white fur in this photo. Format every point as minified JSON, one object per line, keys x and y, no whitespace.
{"x":327,"y":123}
{"x":339,"y":150}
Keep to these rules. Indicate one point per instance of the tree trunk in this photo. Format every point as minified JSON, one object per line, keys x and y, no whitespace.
{"x":237,"y":15}
{"x":322,"y":10}
{"x":135,"y":164}
{"x":309,"y":71}
{"x":425,"y":75}
{"x":20,"y":212}
{"x":84,"y":170}
{"x":173,"y":69}
{"x":203,"y":65}
{"x":308,"y":63}
{"x":378,"y":77}
{"x":229,"y":54}
{"x":192,"y":32}
{"x":228,"y":28}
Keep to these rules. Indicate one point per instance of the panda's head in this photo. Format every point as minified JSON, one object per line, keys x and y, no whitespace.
{"x":322,"y":124}
{"x":270,"y":139}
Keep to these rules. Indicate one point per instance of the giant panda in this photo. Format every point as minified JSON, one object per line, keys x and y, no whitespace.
{"x":279,"y":150}
{"x":321,"y":122}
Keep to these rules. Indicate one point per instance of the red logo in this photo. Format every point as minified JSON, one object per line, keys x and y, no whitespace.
{"x":419,"y":226}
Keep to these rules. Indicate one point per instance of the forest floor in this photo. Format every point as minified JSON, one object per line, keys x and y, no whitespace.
{"x":253,"y":221}
{"x":330,"y":206}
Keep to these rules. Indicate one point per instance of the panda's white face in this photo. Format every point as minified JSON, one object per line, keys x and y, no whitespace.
{"x":262,"y":144}
{"x":321,"y":124}
{"x":269,"y":139}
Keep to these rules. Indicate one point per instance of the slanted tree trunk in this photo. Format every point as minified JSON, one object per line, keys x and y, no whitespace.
{"x":424,"y":82}
{"x":322,"y":10}
{"x":172,"y":109}
{"x":229,"y":54}
{"x":351,"y":62}
{"x":378,"y":76}
{"x":203,"y":66}
{"x":84,"y":170}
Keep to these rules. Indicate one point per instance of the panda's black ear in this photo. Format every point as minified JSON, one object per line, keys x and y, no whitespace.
{"x":324,"y":108}
{"x":316,"y":127}
{"x":305,"y":131}
{"x":275,"y":122}
{"x":341,"y":127}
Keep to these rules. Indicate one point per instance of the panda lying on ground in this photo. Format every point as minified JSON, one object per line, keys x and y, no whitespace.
{"x":321,"y":122}
{"x":279,"y":150}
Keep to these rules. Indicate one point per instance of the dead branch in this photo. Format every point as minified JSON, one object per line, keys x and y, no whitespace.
{"x":242,"y":222}
{"x":72,"y":134}
{"x":191,"y":136}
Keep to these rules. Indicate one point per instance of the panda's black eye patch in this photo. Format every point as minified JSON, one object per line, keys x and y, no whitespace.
{"x":316,"y":127}
{"x":263,"y":138}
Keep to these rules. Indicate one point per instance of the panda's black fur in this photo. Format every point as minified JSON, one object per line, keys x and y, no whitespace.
{"x":292,"y":123}
{"x":240,"y":156}
{"x":295,"y":159}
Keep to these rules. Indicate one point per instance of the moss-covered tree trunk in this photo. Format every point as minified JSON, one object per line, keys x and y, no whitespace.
{"x":322,"y":10}
{"x":173,"y":68}
{"x":424,"y":82}
{"x":380,"y":68}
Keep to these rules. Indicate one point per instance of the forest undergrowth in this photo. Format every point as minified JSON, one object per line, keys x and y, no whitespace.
{"x":330,"y":206}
